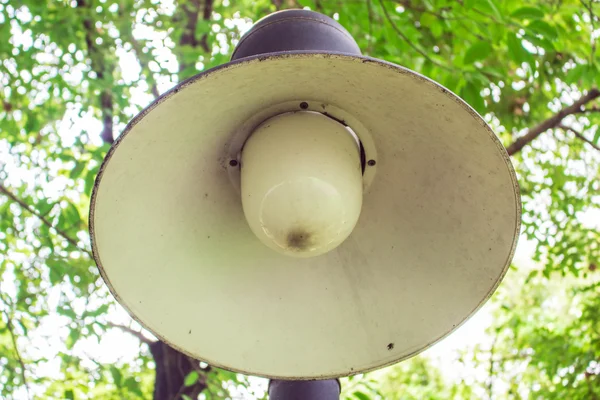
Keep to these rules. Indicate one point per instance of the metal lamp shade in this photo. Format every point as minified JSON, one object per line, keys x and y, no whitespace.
{"x":436,"y":234}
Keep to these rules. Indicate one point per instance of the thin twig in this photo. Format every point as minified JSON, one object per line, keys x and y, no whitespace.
{"x":411,"y":44}
{"x":551,"y":122}
{"x":585,"y":110}
{"x":13,"y":337}
{"x":131,"y":331}
{"x":44,"y":220}
{"x":579,"y":136}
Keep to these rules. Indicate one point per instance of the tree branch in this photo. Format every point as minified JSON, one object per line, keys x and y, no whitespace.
{"x":206,"y":14}
{"x":585,"y":110}
{"x":13,"y":337}
{"x":44,"y":220}
{"x":405,"y":38}
{"x":579,"y":135}
{"x":192,"y":15}
{"x":99,"y":67}
{"x":551,"y":122}
{"x":132,"y":332}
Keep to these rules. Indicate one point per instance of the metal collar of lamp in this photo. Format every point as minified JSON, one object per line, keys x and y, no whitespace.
{"x":304,"y":212}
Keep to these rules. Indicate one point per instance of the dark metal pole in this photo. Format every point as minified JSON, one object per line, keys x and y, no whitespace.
{"x":304,"y":390}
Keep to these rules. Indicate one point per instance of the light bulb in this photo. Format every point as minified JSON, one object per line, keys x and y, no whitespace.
{"x":301,"y":183}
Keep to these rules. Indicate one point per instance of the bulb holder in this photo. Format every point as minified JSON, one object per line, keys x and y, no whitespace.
{"x":295,"y":30}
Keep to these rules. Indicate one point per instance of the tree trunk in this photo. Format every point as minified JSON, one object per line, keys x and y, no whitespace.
{"x":171,"y":369}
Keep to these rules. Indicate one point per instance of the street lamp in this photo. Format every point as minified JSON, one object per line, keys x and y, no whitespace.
{"x":304,"y":212}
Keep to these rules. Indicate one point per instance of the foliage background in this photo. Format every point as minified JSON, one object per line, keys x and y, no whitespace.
{"x":73,"y":72}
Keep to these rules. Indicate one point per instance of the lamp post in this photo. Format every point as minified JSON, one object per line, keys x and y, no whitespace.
{"x":304,"y":212}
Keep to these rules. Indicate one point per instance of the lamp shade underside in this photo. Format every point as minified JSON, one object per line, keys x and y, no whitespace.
{"x":436,"y":232}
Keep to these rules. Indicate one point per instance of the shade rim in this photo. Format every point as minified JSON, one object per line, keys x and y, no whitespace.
{"x":239,"y":63}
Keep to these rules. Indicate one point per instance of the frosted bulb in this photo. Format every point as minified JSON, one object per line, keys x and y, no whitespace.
{"x":301,"y":182}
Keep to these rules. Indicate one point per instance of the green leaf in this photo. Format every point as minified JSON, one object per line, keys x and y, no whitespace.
{"x":478,"y":51}
{"x":76,"y":172}
{"x":72,"y":338}
{"x":390,"y":48}
{"x":427,"y":19}
{"x":515,"y":48}
{"x":116,"y":375}
{"x":67,"y":312}
{"x":44,"y":206}
{"x":436,"y":29}
{"x":491,"y":7}
{"x":69,"y":395}
{"x":186,"y":397}
{"x":468,"y":4}
{"x":589,"y":75}
{"x":361,"y":396}
{"x":69,"y":217}
{"x":596,"y":138}
{"x":133,"y":386}
{"x":23,"y":326}
{"x":496,"y":33}
{"x":543,"y":28}
{"x":531,"y":275}
{"x":203,"y":26}
{"x":528,"y":13}
{"x":99,"y":311}
{"x":478,"y":79}
{"x":90,"y":179}
{"x":191,"y":378}
{"x":575,"y":74}
{"x":496,"y":73}
{"x":541,"y":42}
{"x":56,"y":269}
{"x":471,"y":94}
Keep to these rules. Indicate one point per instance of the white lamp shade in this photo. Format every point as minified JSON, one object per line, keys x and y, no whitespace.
{"x":437,"y":229}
